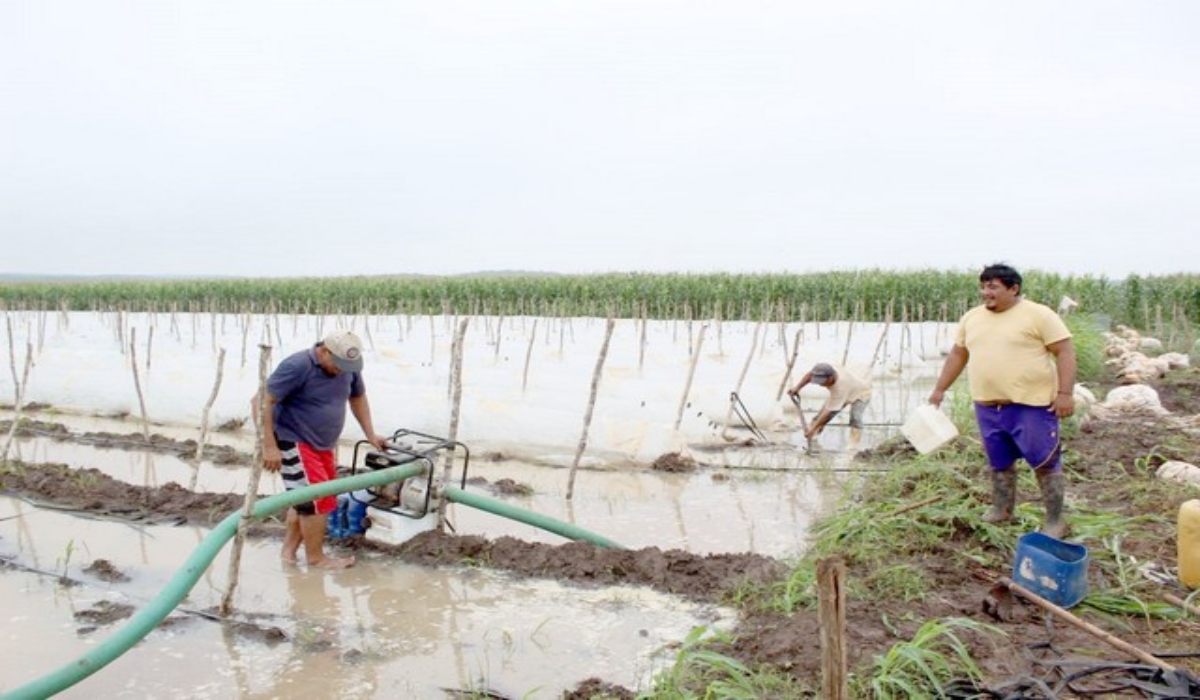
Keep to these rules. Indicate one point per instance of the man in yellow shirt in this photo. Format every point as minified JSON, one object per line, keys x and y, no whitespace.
{"x":1021,"y":377}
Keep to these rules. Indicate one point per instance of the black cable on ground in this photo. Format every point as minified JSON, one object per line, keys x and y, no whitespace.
{"x":1104,"y":679}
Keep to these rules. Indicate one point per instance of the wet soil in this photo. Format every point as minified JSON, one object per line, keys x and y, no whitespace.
{"x":1107,"y":460}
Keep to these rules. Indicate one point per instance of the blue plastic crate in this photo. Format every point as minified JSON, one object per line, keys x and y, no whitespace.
{"x":1051,"y":568}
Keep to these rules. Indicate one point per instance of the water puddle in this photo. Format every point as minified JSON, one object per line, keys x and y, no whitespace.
{"x":380,"y":629}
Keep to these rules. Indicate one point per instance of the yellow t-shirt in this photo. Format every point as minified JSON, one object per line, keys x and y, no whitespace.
{"x":1008,"y":356}
{"x":846,"y":390}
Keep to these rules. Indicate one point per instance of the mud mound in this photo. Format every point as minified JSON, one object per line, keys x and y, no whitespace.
{"x":706,"y":578}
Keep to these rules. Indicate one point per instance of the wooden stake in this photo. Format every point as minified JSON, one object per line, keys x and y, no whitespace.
{"x":850,"y":332}
{"x":691,"y":373}
{"x":587,"y":416}
{"x":499,"y":337}
{"x":455,"y":404}
{"x":12,"y":360}
{"x":832,"y":613}
{"x":1180,"y":603}
{"x":239,"y":539}
{"x":137,"y":383}
{"x":432,"y":341}
{"x":528,"y":355}
{"x":245,"y":333}
{"x":208,"y":406}
{"x":883,"y":334}
{"x":914,"y":506}
{"x":149,"y":347}
{"x":642,"y":341}
{"x":19,"y":386}
{"x":791,"y":364}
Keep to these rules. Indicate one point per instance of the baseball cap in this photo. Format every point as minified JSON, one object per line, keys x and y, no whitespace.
{"x":346,"y":349}
{"x":822,"y":372}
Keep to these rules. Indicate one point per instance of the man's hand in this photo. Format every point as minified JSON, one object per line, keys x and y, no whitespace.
{"x":378,"y":442}
{"x":936,"y":397}
{"x":272,"y":459}
{"x":1064,"y":405}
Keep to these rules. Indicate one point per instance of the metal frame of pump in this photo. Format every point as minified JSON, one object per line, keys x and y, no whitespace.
{"x":405,"y":447}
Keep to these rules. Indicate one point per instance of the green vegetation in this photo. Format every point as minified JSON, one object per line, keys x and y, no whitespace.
{"x":929,"y":508}
{"x":1165,"y":305}
{"x":925,"y":664}
{"x":1087,"y":337}
{"x":700,"y":672}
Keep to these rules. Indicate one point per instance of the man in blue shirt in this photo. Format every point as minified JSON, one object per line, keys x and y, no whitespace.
{"x":303,"y":417}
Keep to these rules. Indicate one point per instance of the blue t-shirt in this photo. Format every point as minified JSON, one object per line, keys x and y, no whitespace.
{"x":310,"y":405}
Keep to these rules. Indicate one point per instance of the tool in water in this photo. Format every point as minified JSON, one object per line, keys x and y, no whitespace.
{"x":803,"y":423}
{"x":744,"y":414}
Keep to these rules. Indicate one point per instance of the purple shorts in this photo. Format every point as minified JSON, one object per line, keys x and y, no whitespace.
{"x":1014,"y":431}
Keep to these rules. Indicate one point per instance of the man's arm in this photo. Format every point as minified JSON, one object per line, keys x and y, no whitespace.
{"x":361,"y":408}
{"x":803,"y":383}
{"x":1065,"y":364}
{"x":819,"y":423}
{"x":955,"y":362}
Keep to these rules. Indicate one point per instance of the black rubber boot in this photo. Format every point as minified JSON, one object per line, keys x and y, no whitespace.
{"x":1004,"y":496}
{"x":1053,"y":488}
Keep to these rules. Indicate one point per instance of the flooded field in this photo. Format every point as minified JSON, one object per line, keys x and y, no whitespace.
{"x":386,"y":628}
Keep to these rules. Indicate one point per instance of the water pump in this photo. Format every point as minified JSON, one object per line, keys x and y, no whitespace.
{"x":396,"y":512}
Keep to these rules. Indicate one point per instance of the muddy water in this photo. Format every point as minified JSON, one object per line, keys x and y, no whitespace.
{"x":381,"y":629}
{"x":385,"y":628}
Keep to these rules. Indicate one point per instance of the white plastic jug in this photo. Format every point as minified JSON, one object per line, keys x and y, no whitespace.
{"x":927,"y":428}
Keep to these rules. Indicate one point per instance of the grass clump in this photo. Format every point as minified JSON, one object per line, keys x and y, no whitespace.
{"x":700,"y":672}
{"x":923,"y":666}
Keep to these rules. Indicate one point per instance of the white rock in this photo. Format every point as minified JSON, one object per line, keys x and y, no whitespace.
{"x":1176,"y":360}
{"x":1181,"y":472}
{"x":1134,"y":398}
{"x":1128,"y":333}
{"x":1084,"y":395}
{"x":1135,"y":367}
{"x":1153,"y":345}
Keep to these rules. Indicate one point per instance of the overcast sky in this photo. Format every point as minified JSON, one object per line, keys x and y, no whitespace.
{"x":252,"y":138}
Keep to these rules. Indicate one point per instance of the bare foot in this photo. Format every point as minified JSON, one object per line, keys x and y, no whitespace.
{"x":332,"y":563}
{"x":289,"y":559}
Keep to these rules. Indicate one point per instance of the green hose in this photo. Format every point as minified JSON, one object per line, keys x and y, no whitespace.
{"x":549,"y":524}
{"x":142,"y":623}
{"x":186,"y":577}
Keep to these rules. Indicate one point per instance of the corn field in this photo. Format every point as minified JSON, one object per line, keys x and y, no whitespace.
{"x":1169,"y":303}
